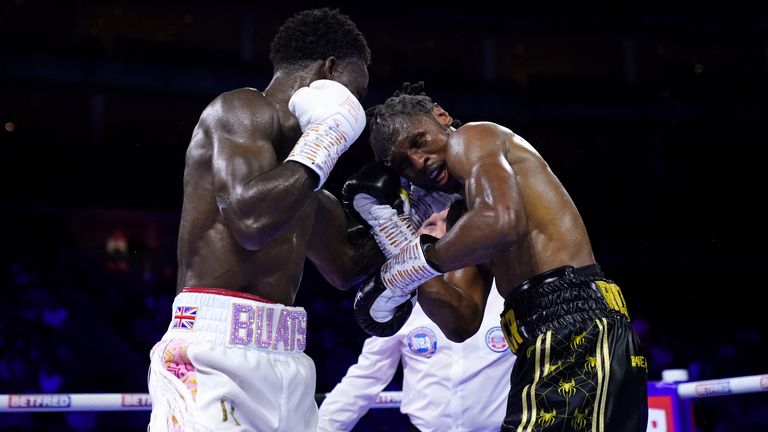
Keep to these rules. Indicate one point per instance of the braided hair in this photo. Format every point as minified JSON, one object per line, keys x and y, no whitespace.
{"x":385,"y":121}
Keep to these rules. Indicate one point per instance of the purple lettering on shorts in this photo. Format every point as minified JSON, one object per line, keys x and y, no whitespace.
{"x":264,"y":340}
{"x":242,"y":324}
{"x":282,"y":334}
{"x":299,"y":329}
{"x":265,"y":328}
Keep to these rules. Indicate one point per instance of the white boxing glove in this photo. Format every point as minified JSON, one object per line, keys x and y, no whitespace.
{"x":331,"y":118}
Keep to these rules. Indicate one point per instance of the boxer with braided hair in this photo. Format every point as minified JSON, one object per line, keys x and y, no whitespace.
{"x":391,"y":208}
{"x":580,"y":366}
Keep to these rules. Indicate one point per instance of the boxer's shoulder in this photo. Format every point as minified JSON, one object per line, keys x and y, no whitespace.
{"x":240,"y":111}
{"x":244,"y":100}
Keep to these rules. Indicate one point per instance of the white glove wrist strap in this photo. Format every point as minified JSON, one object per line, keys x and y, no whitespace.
{"x":393,"y":233}
{"x":406,"y":270}
{"x":321,"y":145}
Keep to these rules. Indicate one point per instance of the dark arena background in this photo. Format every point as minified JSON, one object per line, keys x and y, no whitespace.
{"x":654,"y":117}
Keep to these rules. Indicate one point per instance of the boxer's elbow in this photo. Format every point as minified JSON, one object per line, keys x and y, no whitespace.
{"x":249,"y":240}
{"x":459,"y":334}
{"x":344,"y":283}
{"x":253,"y":227}
{"x":252,"y":234}
{"x":352,"y":273}
{"x":341,"y":272}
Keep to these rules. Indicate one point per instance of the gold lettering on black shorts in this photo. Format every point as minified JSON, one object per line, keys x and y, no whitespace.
{"x":639,"y":361}
{"x":612,"y":294}
{"x":509,"y":328}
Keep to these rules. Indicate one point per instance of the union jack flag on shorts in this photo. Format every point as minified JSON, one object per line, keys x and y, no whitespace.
{"x":184,"y":317}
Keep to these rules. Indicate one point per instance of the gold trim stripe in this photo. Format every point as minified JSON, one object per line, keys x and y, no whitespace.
{"x":536,"y":375}
{"x":607,"y":379}
{"x":525,"y":410}
{"x":599,"y":367}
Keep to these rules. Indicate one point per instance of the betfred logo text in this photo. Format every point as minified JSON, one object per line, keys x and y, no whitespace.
{"x":39,"y":401}
{"x":713,"y":389}
{"x":135,"y":400}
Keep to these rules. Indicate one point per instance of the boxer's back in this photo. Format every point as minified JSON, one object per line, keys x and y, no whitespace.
{"x":209,"y":254}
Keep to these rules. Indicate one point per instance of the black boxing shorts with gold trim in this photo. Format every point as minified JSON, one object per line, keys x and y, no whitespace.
{"x":579,"y":363}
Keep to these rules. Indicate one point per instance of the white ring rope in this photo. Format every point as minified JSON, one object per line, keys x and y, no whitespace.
{"x":75,"y":402}
{"x":47,"y":402}
{"x":389,"y":399}
{"x":723,"y":387}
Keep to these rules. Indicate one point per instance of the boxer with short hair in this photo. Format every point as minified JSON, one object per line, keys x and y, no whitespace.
{"x":254,"y":210}
{"x":580,"y":366}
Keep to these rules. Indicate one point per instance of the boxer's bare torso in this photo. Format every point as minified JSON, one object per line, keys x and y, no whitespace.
{"x":249,"y":220}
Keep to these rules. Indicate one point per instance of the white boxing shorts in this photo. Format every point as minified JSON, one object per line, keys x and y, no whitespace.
{"x":232,"y":362}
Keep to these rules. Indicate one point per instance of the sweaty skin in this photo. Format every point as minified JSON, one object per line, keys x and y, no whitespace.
{"x":249,"y":220}
{"x":519,"y":219}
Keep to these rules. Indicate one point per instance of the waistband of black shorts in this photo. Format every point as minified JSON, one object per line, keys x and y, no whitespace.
{"x":591,"y":270}
{"x":564,"y":296}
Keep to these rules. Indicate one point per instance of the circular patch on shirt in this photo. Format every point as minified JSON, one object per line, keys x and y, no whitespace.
{"x":422,"y":341}
{"x":494,"y":338}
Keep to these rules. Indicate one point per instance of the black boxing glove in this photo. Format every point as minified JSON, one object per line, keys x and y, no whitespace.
{"x":386,"y":299}
{"x":378,"y":311}
{"x":375,"y":196}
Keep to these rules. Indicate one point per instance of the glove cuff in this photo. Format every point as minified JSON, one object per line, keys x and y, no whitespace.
{"x":405,"y":271}
{"x":393,"y":233}
{"x":321,"y":145}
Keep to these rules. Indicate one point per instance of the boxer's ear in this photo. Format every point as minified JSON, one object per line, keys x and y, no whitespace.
{"x":328,"y":67}
{"x":442,"y":115}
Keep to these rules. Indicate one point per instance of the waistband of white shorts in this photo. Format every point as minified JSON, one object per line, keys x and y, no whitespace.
{"x":233,"y":319}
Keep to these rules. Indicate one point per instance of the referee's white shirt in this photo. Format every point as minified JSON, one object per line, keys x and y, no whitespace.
{"x":446,"y":386}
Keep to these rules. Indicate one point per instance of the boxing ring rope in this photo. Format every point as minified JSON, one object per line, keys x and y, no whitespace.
{"x":389,"y":399}
{"x":723,"y":387}
{"x":53,"y":402}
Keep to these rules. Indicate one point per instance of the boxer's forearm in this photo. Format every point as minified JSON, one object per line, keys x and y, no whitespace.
{"x":360,"y":259}
{"x":263,"y":208}
{"x":343,"y":252}
{"x":456,"y":312}
{"x":456,"y":301}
